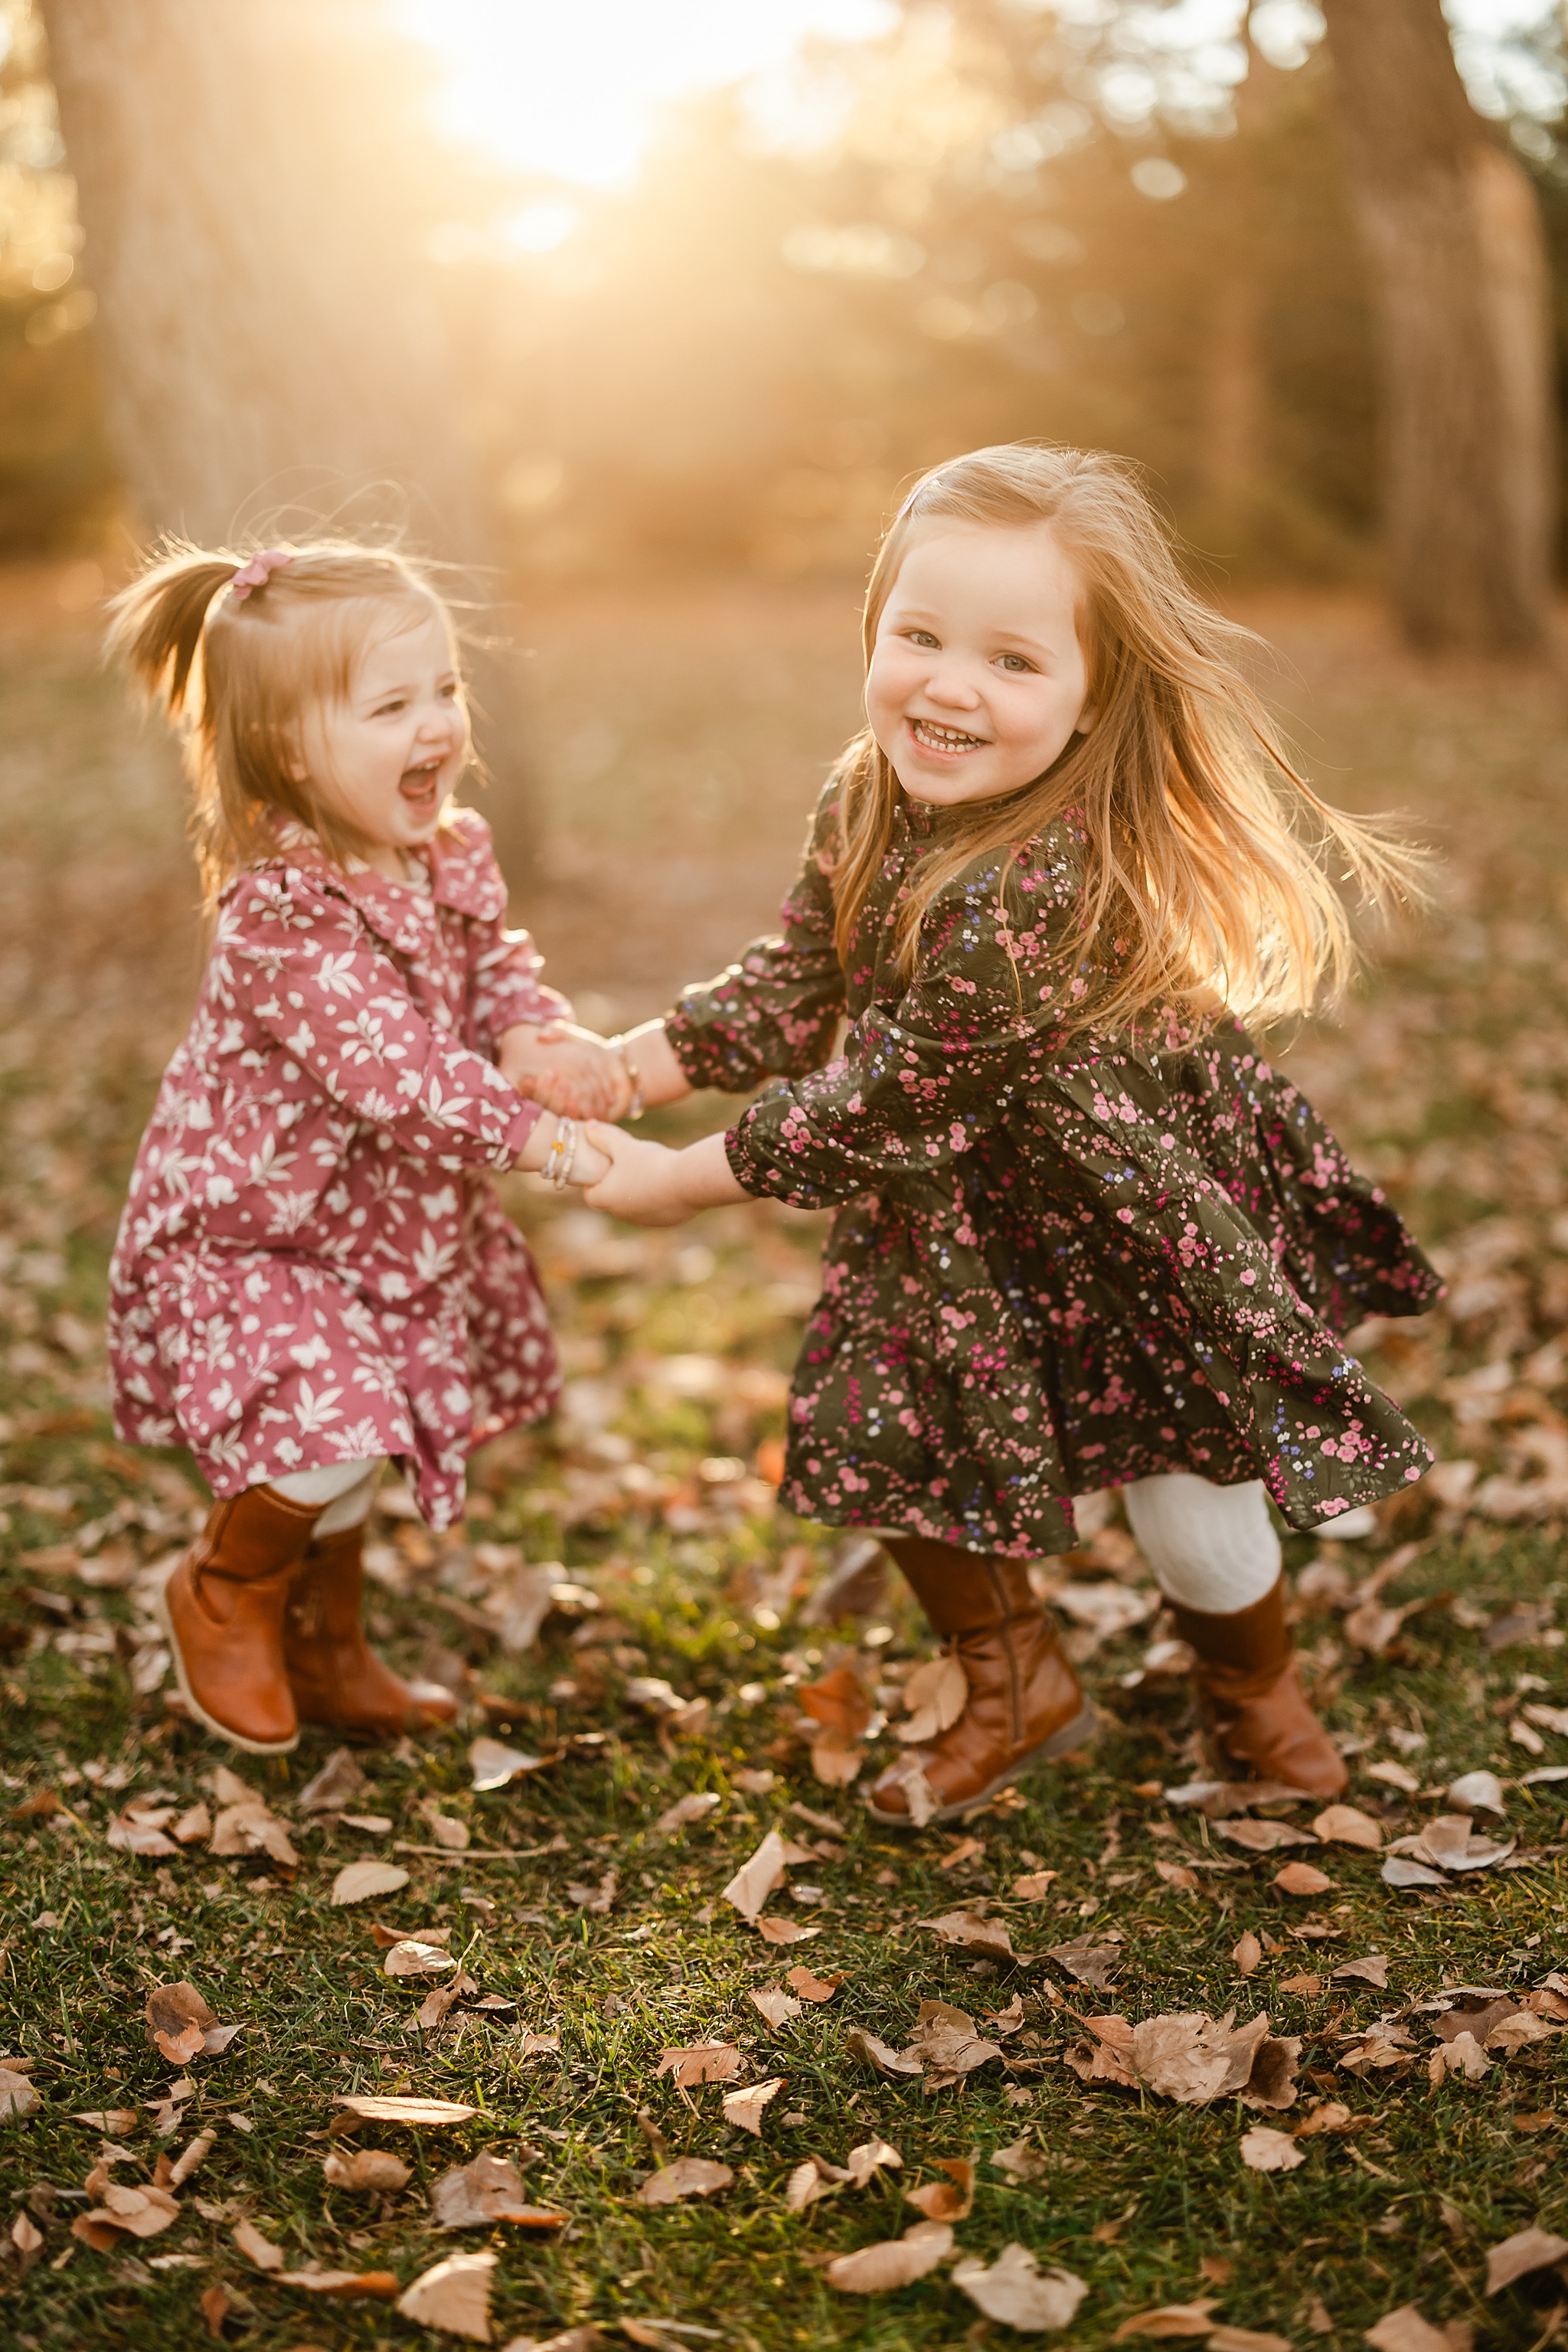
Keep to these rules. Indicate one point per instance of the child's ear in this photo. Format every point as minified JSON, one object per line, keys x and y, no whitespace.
{"x":1087,"y":720}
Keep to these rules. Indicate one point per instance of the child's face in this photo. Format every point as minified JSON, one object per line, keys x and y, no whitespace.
{"x":387,"y":757}
{"x":977,"y":679}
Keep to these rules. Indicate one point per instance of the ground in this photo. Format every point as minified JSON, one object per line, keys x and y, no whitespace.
{"x":681,"y":741}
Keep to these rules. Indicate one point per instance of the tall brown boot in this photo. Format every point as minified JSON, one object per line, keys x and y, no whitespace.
{"x":1253,"y":1703}
{"x":1026,"y":1703}
{"x":223,"y":1611}
{"x":336,"y":1676}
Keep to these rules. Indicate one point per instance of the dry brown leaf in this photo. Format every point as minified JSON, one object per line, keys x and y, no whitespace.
{"x":840,"y":1702}
{"x":453,"y":2296}
{"x":971,"y":1932}
{"x":1395,"y":1776}
{"x":1248,"y":2339}
{"x":364,"y":2169}
{"x":1301,"y":1878}
{"x":813,"y":2178}
{"x":895,"y":2262}
{"x":250,"y":1827}
{"x":685,"y":1811}
{"x":1021,"y":2161}
{"x":181,"y":2025}
{"x":1404,"y":2330}
{"x":1327,"y":2115}
{"x":950,"y":2200}
{"x":475,"y":2195}
{"x":946,"y":2041}
{"x":336,"y":1785}
{"x":1247,"y":1953}
{"x":357,"y":1881}
{"x":776,"y":2005}
{"x":1193,"y":2058}
{"x":688,"y":2176}
{"x":256,"y":2248}
{"x":755,"y":1783}
{"x":411,"y":1957}
{"x":869,"y":2158}
{"x":1015,"y":2291}
{"x":342,"y":2286}
{"x":908,"y":1774}
{"x":193,"y":2154}
{"x":785,"y":1931}
{"x":446,"y":1829}
{"x":881,"y":2054}
{"x":936,"y":1695}
{"x":139,"y":1830}
{"x":1264,"y":2149}
{"x":398,"y":2110}
{"x":1451,"y":1843}
{"x":757,"y":1877}
{"x":17,"y":2096}
{"x":493,"y":1766}
{"x":1461,"y":2055}
{"x":1528,"y":2249}
{"x":598,"y":1898}
{"x":139,"y":2212}
{"x":745,"y":2106}
{"x":1176,"y":1873}
{"x":701,"y":2061}
{"x":833,"y":1764}
{"x":1347,"y":1825}
{"x":1371,"y":1969}
{"x":1169,"y":2320}
{"x":1264,"y":1837}
{"x":1085,"y":1961}
{"x":1034,"y":1886}
{"x":194,"y":1823}
{"x":813,"y":1988}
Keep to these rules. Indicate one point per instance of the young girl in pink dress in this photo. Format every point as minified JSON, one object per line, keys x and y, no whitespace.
{"x":312,"y":1272}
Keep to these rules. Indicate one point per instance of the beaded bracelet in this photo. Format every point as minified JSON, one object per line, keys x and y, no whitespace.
{"x":636,"y":1107}
{"x":562,"y":1157}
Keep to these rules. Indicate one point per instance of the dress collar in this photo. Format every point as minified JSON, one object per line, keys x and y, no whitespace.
{"x":463,"y":876}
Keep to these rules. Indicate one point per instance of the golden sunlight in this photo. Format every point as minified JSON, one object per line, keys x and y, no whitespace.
{"x":577,"y":90}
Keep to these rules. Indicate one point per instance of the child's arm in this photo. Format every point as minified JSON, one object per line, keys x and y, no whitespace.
{"x":648,"y":1184}
{"x":572,"y":1071}
{"x":584,"y":1162}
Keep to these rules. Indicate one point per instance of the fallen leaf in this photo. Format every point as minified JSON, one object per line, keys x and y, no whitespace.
{"x":1347,"y":1825}
{"x":1372,"y":1970}
{"x":189,"y":2157}
{"x":950,"y":2200}
{"x":1193,"y":2058}
{"x":140,"y":1831}
{"x":17,"y":2096}
{"x":137,"y":2212}
{"x":1247,"y":1953}
{"x":397,"y":2110}
{"x":365,"y":2168}
{"x":1404,"y":2330}
{"x":1395,"y":1776}
{"x":1549,"y":1718}
{"x":757,"y":1877}
{"x":702,"y":2061}
{"x":895,"y":2262}
{"x":215,"y":2308}
{"x":357,"y":1881}
{"x":337,"y":1784}
{"x":448,"y":1832}
{"x":412,"y":1958}
{"x":1035,"y":1884}
{"x":745,"y":2106}
{"x":688,"y":2176}
{"x":1461,"y":2055}
{"x":344,"y":2286}
{"x":1301,"y":1878}
{"x":250,"y":1827}
{"x":1085,"y":1961}
{"x":597,"y":1899}
{"x":1015,"y":2291}
{"x":840,"y":1702}
{"x":181,"y":2025}
{"x":1267,"y":2150}
{"x":1021,"y":2162}
{"x":1478,"y":1792}
{"x":1248,"y":2339}
{"x":813,"y":1988}
{"x":1327,"y":2115}
{"x":1169,"y":2319}
{"x":1176,"y":1873}
{"x":492,"y":1766}
{"x":472,"y":2196}
{"x":686,"y":1810}
{"x":776,"y":2005}
{"x":1008,"y":2020}
{"x":453,"y":2296}
{"x":881,"y":2054}
{"x":1451,"y":1843}
{"x":785,"y":1931}
{"x":870,"y":2158}
{"x":813,"y":2178}
{"x":945,"y":2039}
{"x":113,"y":2122}
{"x":1263,"y":1837}
{"x":968,"y":1931}
{"x":755,"y":1784}
{"x":936,"y":1695}
{"x":257,"y":2248}
{"x":194,"y":1823}
{"x":1398,"y":1870}
{"x":919,"y":1798}
{"x":1527,"y":2250}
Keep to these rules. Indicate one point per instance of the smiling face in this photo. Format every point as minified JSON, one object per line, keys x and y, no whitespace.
{"x":977,"y":681}
{"x":387,"y":756}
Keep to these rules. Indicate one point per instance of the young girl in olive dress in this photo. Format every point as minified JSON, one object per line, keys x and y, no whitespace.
{"x":1086,"y":1237}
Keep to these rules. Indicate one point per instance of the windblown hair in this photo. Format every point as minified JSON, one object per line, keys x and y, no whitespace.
{"x":1207,"y":850}
{"x":237,"y":676}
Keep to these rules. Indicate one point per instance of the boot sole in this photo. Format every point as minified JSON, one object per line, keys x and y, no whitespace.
{"x":210,"y":1722}
{"x":1083,"y":1730}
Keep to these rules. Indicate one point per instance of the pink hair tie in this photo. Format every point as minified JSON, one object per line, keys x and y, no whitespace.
{"x":257,"y":573}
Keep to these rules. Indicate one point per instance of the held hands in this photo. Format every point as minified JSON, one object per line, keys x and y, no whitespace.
{"x":573,"y":1072}
{"x":648,"y":1184}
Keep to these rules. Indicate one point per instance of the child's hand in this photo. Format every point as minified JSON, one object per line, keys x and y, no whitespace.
{"x":588,"y":1163}
{"x":571,"y":1071}
{"x":649,"y":1185}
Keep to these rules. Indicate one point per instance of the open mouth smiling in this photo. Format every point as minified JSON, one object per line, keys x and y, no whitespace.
{"x":419,"y":783}
{"x":933,"y":737}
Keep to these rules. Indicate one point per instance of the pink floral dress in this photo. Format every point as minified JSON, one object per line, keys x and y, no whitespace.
{"x":312,"y":1266}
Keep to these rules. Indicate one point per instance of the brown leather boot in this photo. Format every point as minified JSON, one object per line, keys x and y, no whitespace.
{"x":1253,"y":1703}
{"x":223,"y":1611}
{"x":1025,"y":1705}
{"x":336,"y":1676}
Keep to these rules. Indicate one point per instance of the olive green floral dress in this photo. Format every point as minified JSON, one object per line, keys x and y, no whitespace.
{"x":1059,"y":1263}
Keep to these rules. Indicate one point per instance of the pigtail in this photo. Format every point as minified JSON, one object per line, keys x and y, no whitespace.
{"x":156,"y":624}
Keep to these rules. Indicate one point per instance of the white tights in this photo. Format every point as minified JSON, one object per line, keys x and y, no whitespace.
{"x":1212,"y":1549}
{"x":345,"y":1489}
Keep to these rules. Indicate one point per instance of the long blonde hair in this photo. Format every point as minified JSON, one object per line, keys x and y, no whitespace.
{"x":235,"y":671}
{"x":1206,"y":853}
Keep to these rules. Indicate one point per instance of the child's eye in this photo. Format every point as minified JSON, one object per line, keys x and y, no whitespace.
{"x":921,"y":637}
{"x":389,"y":709}
{"x":1016,"y":662}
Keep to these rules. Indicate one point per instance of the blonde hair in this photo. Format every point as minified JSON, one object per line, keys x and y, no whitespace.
{"x":234,"y":673}
{"x":1206,"y":847}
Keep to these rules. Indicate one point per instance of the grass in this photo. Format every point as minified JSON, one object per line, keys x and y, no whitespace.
{"x":1449,"y":1076}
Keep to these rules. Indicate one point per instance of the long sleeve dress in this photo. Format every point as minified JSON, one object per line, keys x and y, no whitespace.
{"x":312,"y":1266}
{"x":1059,"y":1263}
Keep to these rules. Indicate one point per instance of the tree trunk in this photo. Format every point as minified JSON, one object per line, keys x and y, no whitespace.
{"x":1458,"y":255}
{"x":273,"y":356}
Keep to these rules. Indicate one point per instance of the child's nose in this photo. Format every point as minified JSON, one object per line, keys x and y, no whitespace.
{"x":949,"y":685}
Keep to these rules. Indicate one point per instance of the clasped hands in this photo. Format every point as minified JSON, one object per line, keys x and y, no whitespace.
{"x":577,"y":1074}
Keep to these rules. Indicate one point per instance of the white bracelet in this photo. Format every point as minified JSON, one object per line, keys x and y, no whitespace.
{"x":636,"y":1107}
{"x":562,"y":1158}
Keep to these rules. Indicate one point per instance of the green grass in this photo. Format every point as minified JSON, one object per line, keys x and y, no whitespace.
{"x":1449,"y":1074}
